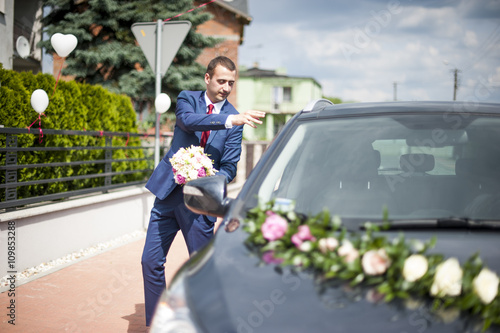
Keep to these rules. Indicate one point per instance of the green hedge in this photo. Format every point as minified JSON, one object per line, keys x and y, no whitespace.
{"x":73,"y":106}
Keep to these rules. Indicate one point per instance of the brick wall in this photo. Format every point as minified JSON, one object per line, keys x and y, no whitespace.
{"x":227,"y":26}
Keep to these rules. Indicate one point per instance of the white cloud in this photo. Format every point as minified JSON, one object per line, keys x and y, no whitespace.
{"x":494,"y":78}
{"x":419,"y":94}
{"x":470,"y":39}
{"x":433,"y":51}
{"x":365,"y":95}
{"x":441,"y":22}
{"x":359,"y":57}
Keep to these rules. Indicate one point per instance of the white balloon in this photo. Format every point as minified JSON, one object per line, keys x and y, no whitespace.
{"x":162,"y":103}
{"x":39,"y":100}
{"x":63,"y":44}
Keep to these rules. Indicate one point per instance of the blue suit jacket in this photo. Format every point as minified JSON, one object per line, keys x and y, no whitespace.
{"x":223,"y":145}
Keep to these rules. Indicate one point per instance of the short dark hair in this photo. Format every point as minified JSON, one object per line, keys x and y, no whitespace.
{"x":220,"y":60}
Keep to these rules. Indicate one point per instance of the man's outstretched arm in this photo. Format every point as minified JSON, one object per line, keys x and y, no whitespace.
{"x":249,"y":117}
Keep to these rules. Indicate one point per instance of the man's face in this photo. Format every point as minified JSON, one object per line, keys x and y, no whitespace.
{"x":221,"y":83}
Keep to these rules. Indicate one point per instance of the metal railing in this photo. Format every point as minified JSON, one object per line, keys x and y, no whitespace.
{"x":103,"y":167}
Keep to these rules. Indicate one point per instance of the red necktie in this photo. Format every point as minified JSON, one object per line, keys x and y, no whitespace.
{"x":204,"y":135}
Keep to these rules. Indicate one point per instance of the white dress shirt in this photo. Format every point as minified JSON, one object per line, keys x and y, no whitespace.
{"x":217,"y":108}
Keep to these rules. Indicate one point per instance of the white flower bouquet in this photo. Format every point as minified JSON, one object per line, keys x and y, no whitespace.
{"x":191,"y":163}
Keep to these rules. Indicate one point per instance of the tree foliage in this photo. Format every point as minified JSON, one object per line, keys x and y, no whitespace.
{"x":107,"y":53}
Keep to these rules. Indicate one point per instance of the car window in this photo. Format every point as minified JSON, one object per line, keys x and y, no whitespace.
{"x":284,"y":162}
{"x":415,"y":166}
{"x":391,"y":151}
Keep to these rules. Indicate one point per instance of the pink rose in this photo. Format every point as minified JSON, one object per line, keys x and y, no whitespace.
{"x":375,"y":262}
{"x":274,"y":227}
{"x":348,"y":251}
{"x":269,"y":258}
{"x":374,"y":296}
{"x":201,"y":172}
{"x":181,"y":180}
{"x":303,"y":234}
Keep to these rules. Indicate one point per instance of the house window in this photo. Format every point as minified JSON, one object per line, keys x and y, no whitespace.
{"x":277,"y":98}
{"x":280,"y":95}
{"x":287,"y":94}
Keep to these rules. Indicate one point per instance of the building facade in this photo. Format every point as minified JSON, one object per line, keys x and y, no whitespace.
{"x":228,"y":23}
{"x":279,"y":95}
{"x":20,"y":31}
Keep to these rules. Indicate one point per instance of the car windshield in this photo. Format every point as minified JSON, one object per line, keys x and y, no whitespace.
{"x":417,"y":166}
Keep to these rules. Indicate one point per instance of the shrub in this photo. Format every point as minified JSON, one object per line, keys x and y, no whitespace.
{"x":72,"y":106}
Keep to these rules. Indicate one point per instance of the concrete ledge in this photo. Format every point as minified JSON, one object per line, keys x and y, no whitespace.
{"x":45,"y":233}
{"x":73,"y":203}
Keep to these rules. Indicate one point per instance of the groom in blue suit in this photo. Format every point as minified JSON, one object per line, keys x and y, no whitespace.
{"x":197,"y":112}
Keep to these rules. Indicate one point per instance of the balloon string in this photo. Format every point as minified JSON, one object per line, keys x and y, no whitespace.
{"x":40,"y":136}
{"x":58,"y":76}
{"x":29,"y":127}
{"x":203,"y":4}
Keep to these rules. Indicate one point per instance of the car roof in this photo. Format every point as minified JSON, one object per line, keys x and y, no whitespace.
{"x":325,"y":108}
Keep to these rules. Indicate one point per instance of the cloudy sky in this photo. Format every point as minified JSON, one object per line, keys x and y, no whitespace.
{"x":360,"y":50}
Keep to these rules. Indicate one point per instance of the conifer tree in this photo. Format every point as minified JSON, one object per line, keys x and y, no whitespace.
{"x":107,"y":54}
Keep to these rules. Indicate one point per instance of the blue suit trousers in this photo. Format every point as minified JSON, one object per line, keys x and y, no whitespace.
{"x":167,"y":217}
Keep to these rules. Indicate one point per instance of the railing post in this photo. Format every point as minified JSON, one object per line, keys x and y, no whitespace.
{"x":249,"y":158}
{"x":11,"y":174}
{"x":108,"y":155}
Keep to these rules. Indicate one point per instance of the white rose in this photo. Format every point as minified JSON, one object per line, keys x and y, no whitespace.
{"x":417,"y":245}
{"x":486,"y":285}
{"x":448,"y":279}
{"x":297,"y":261}
{"x":375,"y":262}
{"x":415,"y":267}
{"x":193,"y":174}
{"x":328,"y":244}
{"x":348,"y":251}
{"x":305,"y":246}
{"x":336,"y":221}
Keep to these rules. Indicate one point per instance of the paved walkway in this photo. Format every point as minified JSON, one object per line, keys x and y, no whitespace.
{"x":100,"y":294}
{"x":103,"y":293}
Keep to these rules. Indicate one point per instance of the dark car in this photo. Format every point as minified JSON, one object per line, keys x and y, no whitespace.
{"x":425,"y":175}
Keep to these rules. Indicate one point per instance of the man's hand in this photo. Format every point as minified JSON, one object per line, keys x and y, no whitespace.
{"x":250,"y":117}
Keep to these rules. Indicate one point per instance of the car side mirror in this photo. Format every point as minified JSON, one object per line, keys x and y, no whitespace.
{"x":207,"y":196}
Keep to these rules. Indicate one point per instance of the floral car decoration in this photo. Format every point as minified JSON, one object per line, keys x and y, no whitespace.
{"x":191,"y":163}
{"x":397,"y":268}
